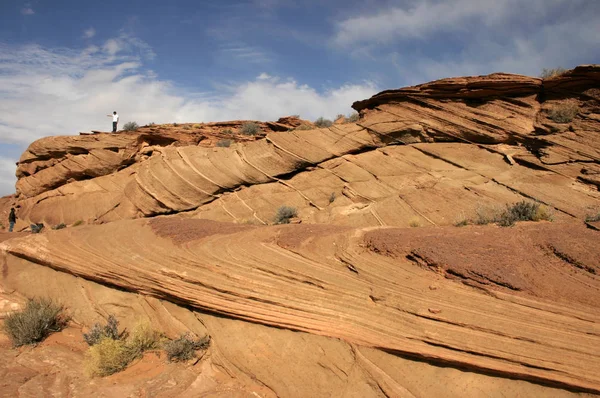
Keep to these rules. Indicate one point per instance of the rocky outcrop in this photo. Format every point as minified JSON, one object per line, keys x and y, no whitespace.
{"x":371,"y":288}
{"x":503,"y":121}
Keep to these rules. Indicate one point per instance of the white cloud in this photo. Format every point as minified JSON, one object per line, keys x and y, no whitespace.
{"x":89,"y":33}
{"x":432,"y":39}
{"x":64,"y":91}
{"x":27,"y":11}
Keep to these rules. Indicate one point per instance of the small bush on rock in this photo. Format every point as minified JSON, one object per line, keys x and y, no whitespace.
{"x":109,"y":355}
{"x":284,"y":214}
{"x":552,"y":72}
{"x":223,"y":143}
{"x":59,"y":226}
{"x":250,"y":128}
{"x":523,"y":211}
{"x":34,"y":323}
{"x":108,"y":331}
{"x":322,"y":122}
{"x":184,"y":348}
{"x":593,"y":217}
{"x":353,"y":117}
{"x":130,"y":126}
{"x":565,"y":112}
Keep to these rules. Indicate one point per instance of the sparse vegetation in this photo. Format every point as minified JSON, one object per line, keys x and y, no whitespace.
{"x":593,"y":217}
{"x":552,"y":72}
{"x":184,"y":348}
{"x":59,"y":226}
{"x":414,"y":222}
{"x":519,"y":211}
{"x":322,"y":122}
{"x":187,"y":127}
{"x":108,"y":331}
{"x":223,"y":143}
{"x":565,"y":112}
{"x":332,"y":197}
{"x":35,"y":322}
{"x":227,"y":131}
{"x":113,"y":351}
{"x":77,"y":223}
{"x":284,"y":214}
{"x":130,"y":126}
{"x":339,"y":116}
{"x":352,"y":117}
{"x":175,"y":125}
{"x":250,"y":128}
{"x":151,"y":124}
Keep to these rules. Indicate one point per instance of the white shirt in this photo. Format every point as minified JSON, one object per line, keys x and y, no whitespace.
{"x":115,"y":118}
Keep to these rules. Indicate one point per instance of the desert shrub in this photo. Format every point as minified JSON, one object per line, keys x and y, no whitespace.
{"x":485,"y":215}
{"x":130,"y":126}
{"x":227,"y":131}
{"x":296,"y":116}
{"x":35,"y":322}
{"x":77,"y":223}
{"x":414,"y":222}
{"x":523,"y":211}
{"x":322,"y":122}
{"x":151,"y":124}
{"x":250,"y":128}
{"x":184,"y":348}
{"x":339,"y":116}
{"x":175,"y":125}
{"x":187,"y":127}
{"x":106,"y":357}
{"x":108,"y":331}
{"x":461,"y":220}
{"x":59,"y":226}
{"x":552,"y":72}
{"x":565,"y":112}
{"x":332,"y":197}
{"x":353,"y":117}
{"x":284,"y":214}
{"x":593,"y":217}
{"x":224,"y":143}
{"x":109,"y":355}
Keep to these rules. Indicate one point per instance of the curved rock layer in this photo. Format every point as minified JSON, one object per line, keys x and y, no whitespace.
{"x":370,"y":287}
{"x":355,"y":173}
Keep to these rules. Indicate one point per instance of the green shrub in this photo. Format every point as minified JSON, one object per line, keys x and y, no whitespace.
{"x":250,"y":128}
{"x":224,"y":143}
{"x":130,"y":126}
{"x":108,"y":331}
{"x":565,"y":112}
{"x":77,"y":223}
{"x":59,"y":226}
{"x":184,"y":348}
{"x":552,"y":72}
{"x":322,"y":122}
{"x":109,"y":355}
{"x":284,"y":214}
{"x":34,"y":323}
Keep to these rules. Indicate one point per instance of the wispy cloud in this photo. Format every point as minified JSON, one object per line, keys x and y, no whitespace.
{"x":245,"y":53}
{"x":432,"y":39}
{"x":89,"y":33}
{"x":27,"y":11}
{"x":49,"y":91}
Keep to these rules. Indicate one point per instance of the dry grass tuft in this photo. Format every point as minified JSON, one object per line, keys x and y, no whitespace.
{"x":35,"y":322}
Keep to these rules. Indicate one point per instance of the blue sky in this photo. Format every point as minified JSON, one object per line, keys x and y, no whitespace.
{"x":65,"y":64}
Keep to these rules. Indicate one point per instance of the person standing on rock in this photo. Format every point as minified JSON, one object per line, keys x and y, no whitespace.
{"x":12,"y":219}
{"x":115,"y":117}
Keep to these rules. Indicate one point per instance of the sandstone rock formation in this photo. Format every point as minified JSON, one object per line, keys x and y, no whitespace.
{"x":349,"y":302}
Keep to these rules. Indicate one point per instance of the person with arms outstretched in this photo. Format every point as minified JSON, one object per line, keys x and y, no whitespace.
{"x":115,"y":117}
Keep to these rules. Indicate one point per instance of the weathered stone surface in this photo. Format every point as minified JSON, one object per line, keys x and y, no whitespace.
{"x":352,"y":285}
